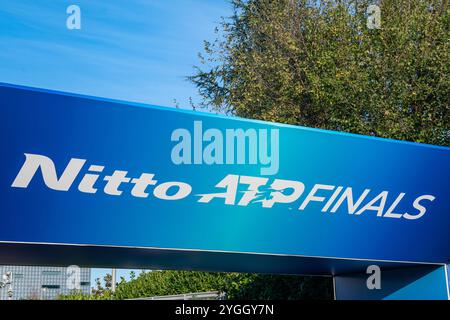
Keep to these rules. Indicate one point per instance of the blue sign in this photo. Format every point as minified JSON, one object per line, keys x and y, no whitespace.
{"x":419,"y":283}
{"x":83,"y":171}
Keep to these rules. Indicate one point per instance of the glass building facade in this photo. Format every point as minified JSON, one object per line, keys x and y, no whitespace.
{"x":42,"y":283}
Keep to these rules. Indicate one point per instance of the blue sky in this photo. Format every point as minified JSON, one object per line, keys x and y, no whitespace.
{"x":135,"y":50}
{"x":139,"y":50}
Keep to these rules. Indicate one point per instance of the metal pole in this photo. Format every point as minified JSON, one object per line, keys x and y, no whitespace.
{"x":113,"y":281}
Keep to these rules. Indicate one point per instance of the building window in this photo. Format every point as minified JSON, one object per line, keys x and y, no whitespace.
{"x":17,"y":276}
{"x":51,"y":273}
{"x":50,"y":286}
{"x":84,"y":283}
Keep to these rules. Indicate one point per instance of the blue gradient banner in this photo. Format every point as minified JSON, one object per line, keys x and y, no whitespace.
{"x":89,"y":171}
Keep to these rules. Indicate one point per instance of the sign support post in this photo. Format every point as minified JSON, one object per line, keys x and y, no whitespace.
{"x":415,"y":283}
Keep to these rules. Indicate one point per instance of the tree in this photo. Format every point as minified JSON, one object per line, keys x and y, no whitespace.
{"x":246,"y":286}
{"x":234,"y":285}
{"x":98,"y":292}
{"x":316,"y":64}
{"x":162,"y":283}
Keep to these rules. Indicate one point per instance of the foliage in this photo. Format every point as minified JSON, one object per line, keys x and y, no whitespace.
{"x":317,"y":64}
{"x":78,"y":295}
{"x":160,"y":283}
{"x":98,"y":293}
{"x":276,"y":287}
{"x":235,"y":285}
